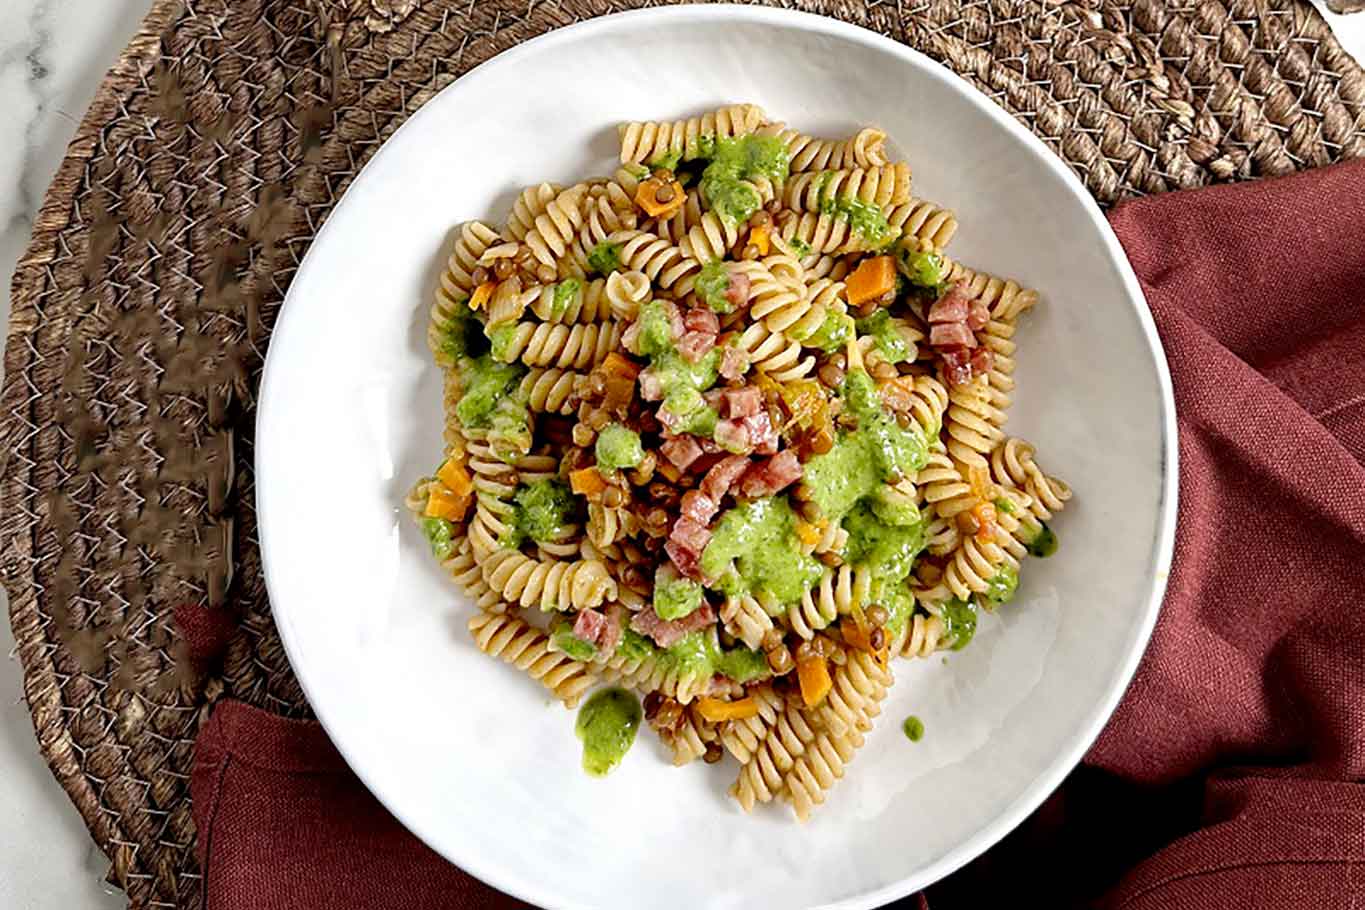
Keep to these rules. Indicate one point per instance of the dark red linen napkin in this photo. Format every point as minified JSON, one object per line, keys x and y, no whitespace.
{"x":1233,"y":773}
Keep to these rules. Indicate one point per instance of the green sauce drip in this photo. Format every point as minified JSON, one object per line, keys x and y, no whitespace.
{"x":484,"y":382}
{"x":833,"y":333}
{"x":860,"y":461}
{"x":922,"y":269}
{"x":463,"y":334}
{"x":618,"y":447}
{"x":1000,"y":587}
{"x":440,"y":534}
{"x":674,"y":595}
{"x":543,"y":511}
{"x":606,"y":724}
{"x":754,"y":548}
{"x":913,"y":728}
{"x":565,"y":292}
{"x":605,"y":258}
{"x":698,"y":653}
{"x":668,"y":161}
{"x":562,"y":637}
{"x":725,"y":184}
{"x":959,"y":622}
{"x":683,"y":383}
{"x":1044,"y":543}
{"x":712,"y":283}
{"x":890,"y":342}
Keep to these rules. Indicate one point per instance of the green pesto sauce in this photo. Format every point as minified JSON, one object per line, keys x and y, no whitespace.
{"x":634,"y":646}
{"x":712,"y":283}
{"x":562,"y":637}
{"x":606,"y":724}
{"x":439,"y":533}
{"x":1044,"y":543}
{"x":887,"y":550}
{"x":898,"y":600}
{"x":913,"y":728}
{"x":605,"y":258}
{"x":878,"y":451}
{"x":920,"y":268}
{"x":618,"y":447}
{"x":565,"y":292}
{"x":832,"y":334}
{"x":801,"y":248}
{"x":683,"y":383}
{"x":483,"y":383}
{"x":463,"y":334}
{"x":668,"y":161}
{"x":866,"y":220}
{"x":725,"y":184}
{"x":510,"y":429}
{"x":895,"y":507}
{"x":675,"y":596}
{"x":698,"y":653}
{"x":656,"y":331}
{"x":890,"y":342}
{"x":959,"y":622}
{"x":754,"y":548}
{"x":1004,"y":506}
{"x":500,"y":340}
{"x":1000,"y":587}
{"x":542,"y":512}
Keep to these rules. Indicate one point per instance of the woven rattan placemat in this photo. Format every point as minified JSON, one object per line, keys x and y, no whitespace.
{"x":212,"y":153}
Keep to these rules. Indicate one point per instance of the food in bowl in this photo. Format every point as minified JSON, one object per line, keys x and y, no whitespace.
{"x":726,"y":429}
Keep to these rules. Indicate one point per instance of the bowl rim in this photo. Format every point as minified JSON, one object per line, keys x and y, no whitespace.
{"x":1037,"y":790}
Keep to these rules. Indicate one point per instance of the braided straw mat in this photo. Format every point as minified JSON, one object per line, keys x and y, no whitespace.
{"x":209,"y":159}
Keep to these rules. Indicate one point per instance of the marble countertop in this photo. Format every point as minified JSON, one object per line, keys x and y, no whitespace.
{"x":53,"y":55}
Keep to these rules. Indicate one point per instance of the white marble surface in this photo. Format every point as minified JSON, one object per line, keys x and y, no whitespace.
{"x":53,"y":55}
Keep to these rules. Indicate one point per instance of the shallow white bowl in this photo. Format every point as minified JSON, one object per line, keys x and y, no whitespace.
{"x":476,"y":759}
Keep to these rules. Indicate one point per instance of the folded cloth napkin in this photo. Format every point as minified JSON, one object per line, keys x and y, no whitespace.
{"x":1232,"y":774}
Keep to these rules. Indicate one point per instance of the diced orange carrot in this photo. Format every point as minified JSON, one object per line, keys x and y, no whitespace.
{"x":860,"y":639}
{"x":871,"y":279}
{"x":716,"y":711}
{"x":455,"y":476}
{"x":759,"y":237}
{"x":986,"y":517}
{"x":813,"y":674}
{"x":808,"y":533}
{"x":617,"y":365}
{"x":587,"y":482}
{"x":979,"y":476}
{"x":442,"y":503}
{"x":647,"y":197}
{"x":482,"y":294}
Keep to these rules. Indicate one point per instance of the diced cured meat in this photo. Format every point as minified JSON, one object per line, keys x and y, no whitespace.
{"x":651,"y":386}
{"x":771,"y":476}
{"x":734,"y":361}
{"x":701,"y":319}
{"x":737,"y":293}
{"x":951,"y":307}
{"x":761,"y":433}
{"x":733,"y":436}
{"x":630,"y":338}
{"x":743,"y":402}
{"x":699,"y":507}
{"x":720,"y":478}
{"x":675,"y":319}
{"x":982,"y":361}
{"x":667,"y":634}
{"x":957,"y":365}
{"x":952,"y":334}
{"x":693,"y":346}
{"x":591,"y":626}
{"x":681,"y":451}
{"x":617,"y":616}
{"x":685,"y":544}
{"x":978,"y":314}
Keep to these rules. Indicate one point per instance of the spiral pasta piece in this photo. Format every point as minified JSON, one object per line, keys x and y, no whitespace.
{"x":834,"y":596}
{"x":456,"y":285}
{"x":626,"y":292}
{"x":973,"y":422}
{"x":1013,"y":464}
{"x":864,"y":149}
{"x":761,"y":777}
{"x":945,"y":489}
{"x":741,"y":737}
{"x":688,"y":742}
{"x":570,"y":300}
{"x":516,"y":642}
{"x":675,"y":227}
{"x":529,"y":205}
{"x":663,"y":262}
{"x":545,"y":344}
{"x":557,"y":227}
{"x":923,"y":636}
{"x":550,"y":585}
{"x":774,"y":353}
{"x":968,"y":572}
{"x":655,"y":142}
{"x":606,"y":525}
{"x":650,"y":675}
{"x":711,"y":237}
{"x":820,"y":191}
{"x":926,"y":223}
{"x":745,"y":619}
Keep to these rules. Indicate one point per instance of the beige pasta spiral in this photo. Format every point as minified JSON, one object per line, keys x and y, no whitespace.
{"x":742,"y":736}
{"x":782,"y":306}
{"x":674,"y":227}
{"x":762,"y":777}
{"x":1013,"y":464}
{"x":544,"y":344}
{"x":928,"y":224}
{"x":816,"y":191}
{"x":688,"y":742}
{"x":516,"y":642}
{"x":968,"y":572}
{"x":649,"y":675}
{"x":973,"y":422}
{"x":530,"y":205}
{"x":775,"y":354}
{"x":457,"y":283}
{"x":923,"y":636}
{"x":865,"y":148}
{"x":579,"y":301}
{"x":711,"y":237}
{"x":648,"y":142}
{"x":557,"y":227}
{"x":745,"y":619}
{"x":663,"y":262}
{"x":548,"y":584}
{"x":838,"y":589}
{"x":626,"y":292}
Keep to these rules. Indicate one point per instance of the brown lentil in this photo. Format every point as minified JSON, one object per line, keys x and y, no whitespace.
{"x":613,"y":498}
{"x":546,"y":273}
{"x":805,"y":651}
{"x":583,"y":434}
{"x":831,"y":374}
{"x":811,"y":512}
{"x":878,"y":615}
{"x":713,"y":753}
{"x":664,"y":193}
{"x":772,"y":638}
{"x":968,"y":523}
{"x":773,"y":207}
{"x":883,"y":371}
{"x":479,"y":276}
{"x":759,"y":218}
{"x":877,"y":639}
{"x":653,"y":702}
{"x":662,"y":174}
{"x":503,"y":269}
{"x":830,"y":558}
{"x":780,"y":660}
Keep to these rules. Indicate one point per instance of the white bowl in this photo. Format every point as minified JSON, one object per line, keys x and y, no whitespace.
{"x":476,"y":759}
